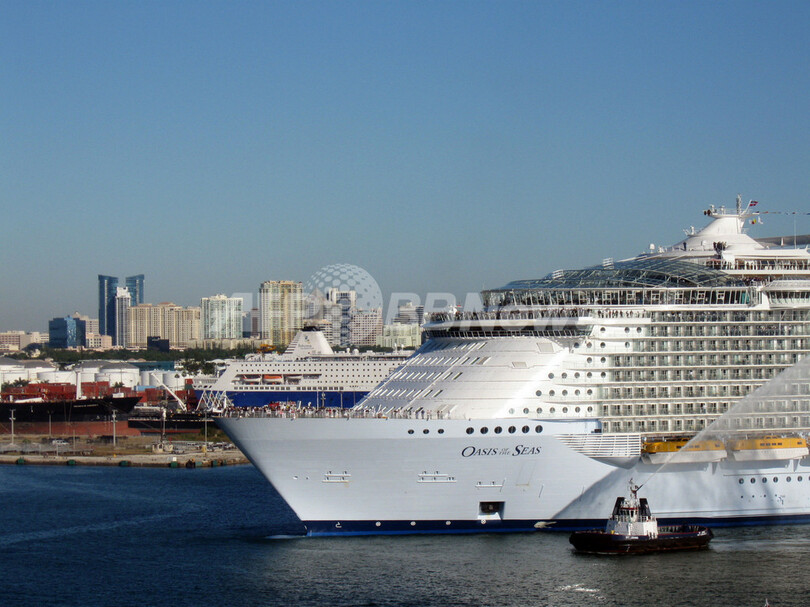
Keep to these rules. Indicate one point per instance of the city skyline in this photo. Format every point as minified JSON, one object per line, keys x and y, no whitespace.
{"x":441,"y":147}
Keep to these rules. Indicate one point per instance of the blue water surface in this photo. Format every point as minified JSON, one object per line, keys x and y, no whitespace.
{"x":222,"y":536}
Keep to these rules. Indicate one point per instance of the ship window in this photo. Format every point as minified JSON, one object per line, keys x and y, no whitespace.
{"x":511,"y":411}
{"x":590,"y":360}
{"x":576,"y":392}
{"x":576,"y":375}
{"x":525,"y":429}
{"x":576,"y":409}
{"x":775,"y":479}
{"x":497,"y":430}
{"x":538,"y":429}
{"x":484,"y":430}
{"x":539,"y":409}
{"x":638,"y":329}
{"x":603,"y":359}
{"x":539,"y":393}
{"x":564,"y":375}
{"x":511,"y":430}
{"x":576,"y":344}
{"x":589,"y":392}
{"x":565,"y":393}
{"x":440,"y":430}
{"x":604,"y":374}
{"x":627,"y":329}
{"x":565,"y":409}
{"x":410,"y":431}
{"x":552,"y":410}
{"x":602,"y":345}
{"x":425,"y":431}
{"x":764,"y":480}
{"x":741,"y":481}
{"x":753,"y":480}
{"x":526,"y":411}
{"x":551,"y":392}
{"x":551,"y":376}
{"x":799,"y":478}
{"x":788,"y":479}
{"x":470,"y":430}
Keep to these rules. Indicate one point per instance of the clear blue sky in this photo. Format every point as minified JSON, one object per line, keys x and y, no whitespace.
{"x":442,"y":146}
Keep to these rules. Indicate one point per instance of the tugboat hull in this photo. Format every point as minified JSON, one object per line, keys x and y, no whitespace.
{"x":684,"y":537}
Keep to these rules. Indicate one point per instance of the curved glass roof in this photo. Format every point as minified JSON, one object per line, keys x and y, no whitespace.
{"x":636,"y":273}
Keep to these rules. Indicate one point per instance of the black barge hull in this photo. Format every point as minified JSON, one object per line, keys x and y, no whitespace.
{"x":684,"y":537}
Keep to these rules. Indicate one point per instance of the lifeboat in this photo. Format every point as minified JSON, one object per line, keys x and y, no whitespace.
{"x":271,"y":379}
{"x":632,"y":529}
{"x":768,"y":448}
{"x":681,"y":451}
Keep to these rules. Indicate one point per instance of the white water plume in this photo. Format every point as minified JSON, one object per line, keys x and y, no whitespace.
{"x":779,"y":407}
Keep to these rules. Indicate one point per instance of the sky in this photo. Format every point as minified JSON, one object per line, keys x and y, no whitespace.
{"x":441,"y":146}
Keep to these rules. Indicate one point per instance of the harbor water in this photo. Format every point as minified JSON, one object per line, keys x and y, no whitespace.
{"x":222,"y":536}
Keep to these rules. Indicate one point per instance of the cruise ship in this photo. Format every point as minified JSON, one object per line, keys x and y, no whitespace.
{"x":535,"y":412}
{"x":308,"y":373}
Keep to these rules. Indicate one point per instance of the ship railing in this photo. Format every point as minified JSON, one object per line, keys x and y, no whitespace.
{"x":299,"y":411}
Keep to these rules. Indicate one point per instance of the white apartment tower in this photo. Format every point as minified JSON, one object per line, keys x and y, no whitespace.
{"x":221,"y":317}
{"x":123,"y":301}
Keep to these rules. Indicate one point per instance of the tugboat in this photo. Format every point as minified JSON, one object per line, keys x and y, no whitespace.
{"x":632,"y":529}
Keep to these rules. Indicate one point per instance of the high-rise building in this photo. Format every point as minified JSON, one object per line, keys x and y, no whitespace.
{"x":347,"y":303}
{"x":281,"y":310}
{"x":135,"y":286}
{"x":107,"y":291}
{"x":107,"y":286}
{"x":123,"y":301}
{"x":67,"y":332}
{"x":365,"y":326}
{"x":221,"y":317}
{"x":164,"y":321}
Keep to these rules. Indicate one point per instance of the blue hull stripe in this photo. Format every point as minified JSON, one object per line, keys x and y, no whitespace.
{"x":307,"y":398}
{"x":345,"y":528}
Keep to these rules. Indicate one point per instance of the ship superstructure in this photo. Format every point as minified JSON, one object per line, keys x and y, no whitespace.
{"x":308,"y":373}
{"x":535,"y":410}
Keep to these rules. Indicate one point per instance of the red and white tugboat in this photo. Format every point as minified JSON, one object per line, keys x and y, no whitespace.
{"x":632,"y":529}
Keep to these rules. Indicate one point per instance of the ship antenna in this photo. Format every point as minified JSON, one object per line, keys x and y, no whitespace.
{"x":739,"y":204}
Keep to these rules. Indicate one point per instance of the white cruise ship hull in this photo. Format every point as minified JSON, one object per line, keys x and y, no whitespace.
{"x":371,"y":476}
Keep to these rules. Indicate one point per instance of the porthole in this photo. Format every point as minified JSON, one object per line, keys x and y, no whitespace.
{"x":552,"y":410}
{"x":551,"y":376}
{"x":565,"y":409}
{"x":511,"y":430}
{"x":551,"y":393}
{"x":425,"y":431}
{"x":565,"y":393}
{"x":410,"y":431}
{"x":525,"y":429}
{"x":484,"y":430}
{"x":576,"y":392}
{"x":627,"y":329}
{"x":775,"y":479}
{"x":590,"y":360}
{"x":799,"y":479}
{"x":440,"y":431}
{"x":538,"y":429}
{"x":539,"y":393}
{"x":589,"y":392}
{"x":564,"y":375}
{"x":638,"y":329}
{"x":589,"y":345}
{"x":576,"y":344}
{"x":764,"y":480}
{"x":511,"y":411}
{"x":590,"y":409}
{"x":589,"y":375}
{"x":576,"y":410}
{"x":741,"y":481}
{"x":602,"y":345}
{"x":603,"y":360}
{"x":526,"y":411}
{"x":539,"y":409}
{"x":470,"y":430}
{"x":753,"y":480}
{"x":576,"y":375}
{"x":497,"y":430}
{"x":627,"y":344}
{"x":602,"y":329}
{"x":604,"y":374}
